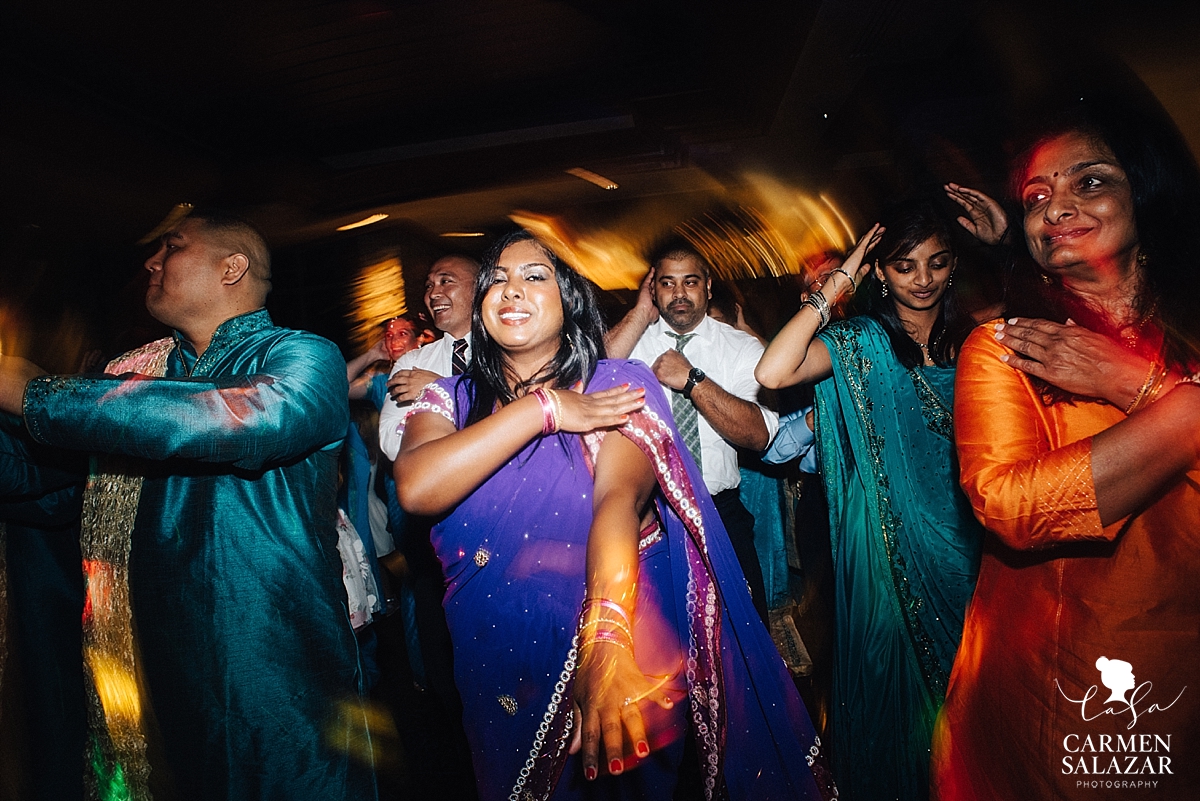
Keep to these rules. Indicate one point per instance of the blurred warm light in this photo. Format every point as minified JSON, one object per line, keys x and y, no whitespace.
{"x":173,"y":218}
{"x":613,"y":260}
{"x":593,"y":178}
{"x":761,"y":228}
{"x":463,"y":234}
{"x":363,"y":730}
{"x":374,"y":218}
{"x":376,"y":294}
{"x":117,"y":688}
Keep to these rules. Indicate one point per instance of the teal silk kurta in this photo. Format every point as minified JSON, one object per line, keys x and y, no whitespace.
{"x":235,"y":578}
{"x":905,"y":553}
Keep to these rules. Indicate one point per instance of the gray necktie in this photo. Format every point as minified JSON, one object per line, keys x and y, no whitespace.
{"x":684,"y":410}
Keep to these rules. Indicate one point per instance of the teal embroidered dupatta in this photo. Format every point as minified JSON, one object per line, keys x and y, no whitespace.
{"x":905,"y":553}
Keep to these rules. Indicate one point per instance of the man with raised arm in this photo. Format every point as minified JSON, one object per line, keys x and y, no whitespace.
{"x":209,"y":534}
{"x":708,"y":369}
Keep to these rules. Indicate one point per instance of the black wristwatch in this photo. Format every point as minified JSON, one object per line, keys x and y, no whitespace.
{"x":694,"y":377}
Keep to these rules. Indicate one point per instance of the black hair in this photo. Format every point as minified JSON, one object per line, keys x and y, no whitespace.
{"x":909,"y":224}
{"x":581,"y":342}
{"x":239,"y":236}
{"x":1165,"y":185}
{"x":677,"y":248}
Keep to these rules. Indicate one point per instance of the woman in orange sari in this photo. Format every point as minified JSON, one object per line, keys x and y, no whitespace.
{"x":1078,"y":433}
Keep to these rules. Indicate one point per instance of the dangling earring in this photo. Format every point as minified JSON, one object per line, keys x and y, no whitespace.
{"x":950,"y":280}
{"x":883,"y":289}
{"x":1142,"y":259}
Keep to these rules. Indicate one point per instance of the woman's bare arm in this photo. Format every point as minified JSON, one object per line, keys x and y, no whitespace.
{"x":608,"y":676}
{"x":795,"y":356}
{"x":438,"y":466}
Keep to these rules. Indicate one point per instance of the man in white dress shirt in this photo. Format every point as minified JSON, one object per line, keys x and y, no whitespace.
{"x":707,"y":368}
{"x":449,"y":293}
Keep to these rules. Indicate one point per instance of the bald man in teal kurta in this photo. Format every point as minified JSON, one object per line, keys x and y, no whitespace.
{"x":235,"y":580}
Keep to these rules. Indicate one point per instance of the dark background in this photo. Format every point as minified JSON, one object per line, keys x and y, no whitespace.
{"x":304,"y":115}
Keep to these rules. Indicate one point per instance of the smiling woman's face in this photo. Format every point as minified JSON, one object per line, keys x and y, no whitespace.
{"x":1078,"y":207}
{"x":918,"y":279}
{"x":522,"y":310}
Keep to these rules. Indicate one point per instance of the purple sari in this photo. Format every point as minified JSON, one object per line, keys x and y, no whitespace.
{"x":514,"y":555}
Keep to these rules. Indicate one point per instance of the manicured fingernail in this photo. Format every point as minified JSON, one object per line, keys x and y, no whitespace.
{"x":589,"y":773}
{"x":643,"y":748}
{"x":615,"y":767}
{"x":998,"y":335}
{"x":1004,"y":358}
{"x":1012,"y":321}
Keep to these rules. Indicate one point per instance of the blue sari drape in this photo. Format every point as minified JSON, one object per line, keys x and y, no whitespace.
{"x":906,"y":553}
{"x":514,"y":554}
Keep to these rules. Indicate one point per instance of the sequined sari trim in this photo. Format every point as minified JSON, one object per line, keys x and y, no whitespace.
{"x":110,"y":506}
{"x":857,"y":376}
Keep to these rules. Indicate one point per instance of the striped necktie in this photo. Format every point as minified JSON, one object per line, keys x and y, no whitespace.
{"x":684,"y":410}
{"x":458,"y":362}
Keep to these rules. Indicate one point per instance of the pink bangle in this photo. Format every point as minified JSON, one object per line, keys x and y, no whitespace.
{"x":549,"y":418}
{"x":610,"y":637}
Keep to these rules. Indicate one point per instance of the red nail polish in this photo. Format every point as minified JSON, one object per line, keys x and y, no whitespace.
{"x":643,"y":749}
{"x":615,"y":767}
{"x":589,"y":773}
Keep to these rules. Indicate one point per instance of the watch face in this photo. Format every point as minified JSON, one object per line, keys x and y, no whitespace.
{"x":696,"y":375}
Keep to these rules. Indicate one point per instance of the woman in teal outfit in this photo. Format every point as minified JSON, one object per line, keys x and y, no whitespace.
{"x":905,"y":543}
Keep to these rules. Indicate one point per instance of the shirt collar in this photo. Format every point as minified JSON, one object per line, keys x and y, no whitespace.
{"x":229,"y":332}
{"x":701,"y":332}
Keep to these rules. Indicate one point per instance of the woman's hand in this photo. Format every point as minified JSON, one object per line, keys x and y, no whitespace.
{"x":609,"y":686}
{"x":605,"y":409}
{"x":1074,"y":359}
{"x":838,"y":284}
{"x":985,"y":219}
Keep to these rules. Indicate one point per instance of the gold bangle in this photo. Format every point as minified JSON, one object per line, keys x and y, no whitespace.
{"x":557,"y":408}
{"x":1143,"y":393}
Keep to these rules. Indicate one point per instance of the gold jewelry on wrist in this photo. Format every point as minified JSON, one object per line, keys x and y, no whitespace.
{"x":1149,"y":387}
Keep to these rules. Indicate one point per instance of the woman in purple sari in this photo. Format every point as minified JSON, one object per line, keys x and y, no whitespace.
{"x":560,"y":487}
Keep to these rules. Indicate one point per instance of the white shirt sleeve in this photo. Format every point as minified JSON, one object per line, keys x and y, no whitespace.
{"x":392,"y":413}
{"x":743,"y":385}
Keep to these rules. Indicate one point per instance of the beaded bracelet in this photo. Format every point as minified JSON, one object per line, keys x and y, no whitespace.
{"x":1194,"y":378}
{"x":549,"y":418}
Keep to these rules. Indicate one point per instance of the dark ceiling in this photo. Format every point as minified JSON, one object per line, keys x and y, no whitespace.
{"x":450,"y":114}
{"x":315,"y":111}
